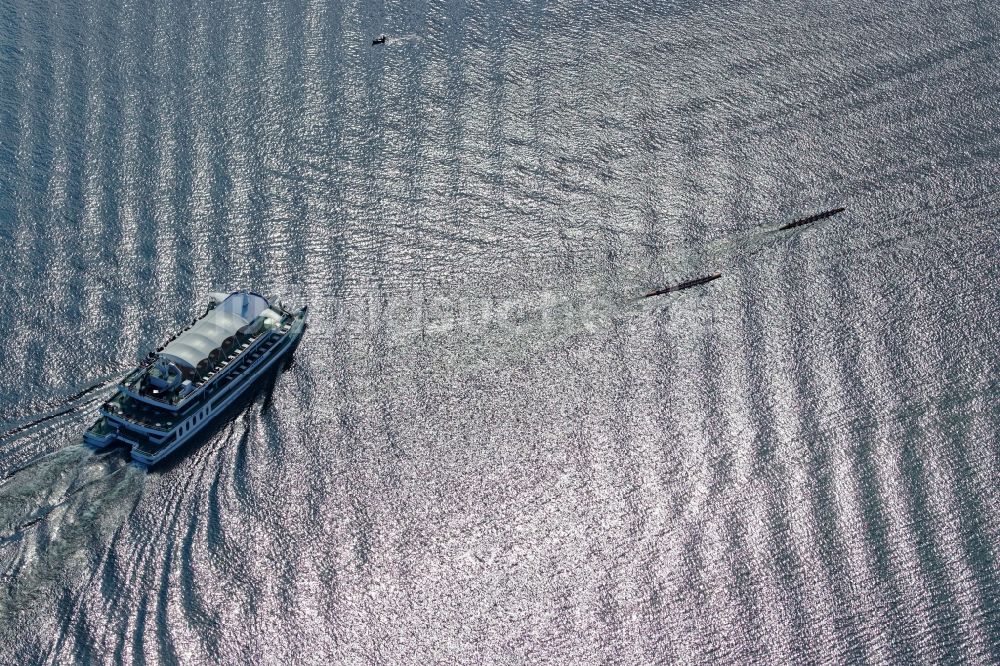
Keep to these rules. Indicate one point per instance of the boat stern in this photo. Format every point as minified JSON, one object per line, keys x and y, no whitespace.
{"x":101,"y":435}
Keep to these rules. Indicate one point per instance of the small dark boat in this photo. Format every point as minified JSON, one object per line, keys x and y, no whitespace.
{"x":684,"y":285}
{"x":379,"y":40}
{"x":811,"y":218}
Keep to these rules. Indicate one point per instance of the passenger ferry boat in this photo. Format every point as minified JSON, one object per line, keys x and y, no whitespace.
{"x":181,"y":387}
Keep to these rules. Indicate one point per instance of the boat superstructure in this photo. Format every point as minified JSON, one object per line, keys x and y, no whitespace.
{"x":181,"y":387}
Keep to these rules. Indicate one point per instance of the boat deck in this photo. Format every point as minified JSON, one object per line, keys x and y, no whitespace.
{"x":202,"y":381}
{"x":146,"y":447}
{"x":145,"y":415}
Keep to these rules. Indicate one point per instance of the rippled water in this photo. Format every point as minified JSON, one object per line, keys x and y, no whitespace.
{"x":488,"y":450}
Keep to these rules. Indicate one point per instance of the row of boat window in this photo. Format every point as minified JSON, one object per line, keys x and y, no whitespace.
{"x":194,"y":419}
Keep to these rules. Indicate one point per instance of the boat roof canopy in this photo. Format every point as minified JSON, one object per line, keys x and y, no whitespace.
{"x":195,"y":344}
{"x":245,"y":304}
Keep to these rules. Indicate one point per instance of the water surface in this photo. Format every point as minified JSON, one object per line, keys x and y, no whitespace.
{"x":487,"y":449}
